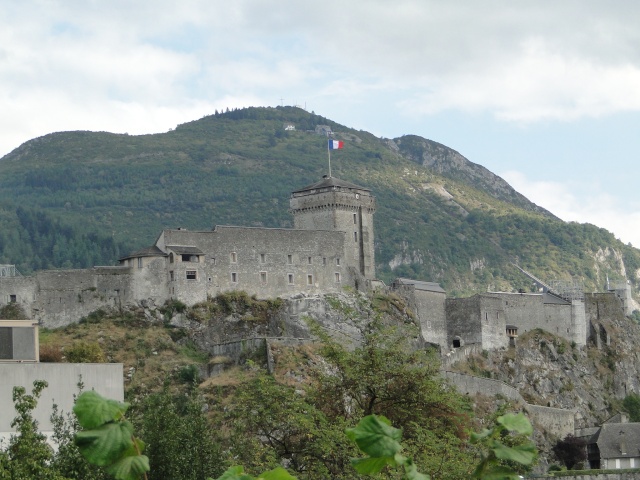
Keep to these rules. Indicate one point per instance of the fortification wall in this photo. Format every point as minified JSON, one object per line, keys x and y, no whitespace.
{"x":554,"y":420}
{"x":21,"y":290}
{"x":492,"y":319}
{"x":65,"y":296}
{"x":463,"y":321}
{"x":429,"y":308}
{"x":525,"y":311}
{"x":261,"y":261}
{"x":558,"y":320}
{"x":635,"y":475}
{"x":150,"y":282}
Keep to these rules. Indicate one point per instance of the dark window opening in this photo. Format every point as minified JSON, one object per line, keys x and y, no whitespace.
{"x":456,"y":343}
{"x":13,"y":298}
{"x":190,"y":258}
{"x":192,"y":275}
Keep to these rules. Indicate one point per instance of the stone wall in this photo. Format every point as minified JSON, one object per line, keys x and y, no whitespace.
{"x":267,"y":262}
{"x":429,"y":308}
{"x":556,"y":421}
{"x":479,"y":319}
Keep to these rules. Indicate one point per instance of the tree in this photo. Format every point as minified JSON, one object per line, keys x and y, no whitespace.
{"x":180,"y":441}
{"x":571,"y":451}
{"x":631,"y":403}
{"x":271,"y":423}
{"x":28,"y":455}
{"x":303,"y":428}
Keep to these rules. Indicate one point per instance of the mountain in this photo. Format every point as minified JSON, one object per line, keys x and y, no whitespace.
{"x":74,"y":199}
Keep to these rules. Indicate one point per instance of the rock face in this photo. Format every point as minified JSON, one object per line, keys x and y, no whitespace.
{"x":449,"y":163}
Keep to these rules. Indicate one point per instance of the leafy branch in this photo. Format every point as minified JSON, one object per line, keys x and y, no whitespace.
{"x":107,"y":439}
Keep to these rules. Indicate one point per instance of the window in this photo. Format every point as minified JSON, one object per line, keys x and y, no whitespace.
{"x":290,"y":278}
{"x":355,"y":237}
{"x":139,"y":262}
{"x":171,"y":258}
{"x":234,"y":257}
{"x":263,"y":258}
{"x":171,"y":277}
{"x":191,"y":275}
{"x":324,"y":260}
{"x":263,"y":277}
{"x":355,"y":219}
{"x":213,"y":260}
{"x":338,"y":261}
{"x":309,"y":260}
{"x":234,"y":277}
{"x":309,"y":279}
{"x":337,"y":277}
{"x":13,"y":298}
{"x":190,"y":258}
{"x":289,"y":259}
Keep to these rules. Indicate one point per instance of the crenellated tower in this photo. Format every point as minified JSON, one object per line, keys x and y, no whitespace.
{"x":334,"y":204}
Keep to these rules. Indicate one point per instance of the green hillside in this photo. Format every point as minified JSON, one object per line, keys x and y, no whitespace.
{"x":75,"y":199}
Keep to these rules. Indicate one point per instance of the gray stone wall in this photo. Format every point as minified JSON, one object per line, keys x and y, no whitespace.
{"x":478,"y":319}
{"x":606,"y":476}
{"x":463,"y":321}
{"x":525,"y":311}
{"x":23,"y":289}
{"x":349,"y":211}
{"x":554,"y":420}
{"x":429,"y":308}
{"x":64,"y":296}
{"x":262,"y":261}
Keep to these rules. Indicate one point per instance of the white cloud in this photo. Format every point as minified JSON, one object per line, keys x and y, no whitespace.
{"x":521,"y":62}
{"x":576,"y":202}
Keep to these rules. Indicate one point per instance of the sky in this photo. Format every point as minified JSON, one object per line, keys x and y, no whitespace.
{"x":544,"y":93}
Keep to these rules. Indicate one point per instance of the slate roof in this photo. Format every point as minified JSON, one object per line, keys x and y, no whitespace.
{"x":331,"y":182}
{"x":616,"y":440}
{"x":152,"y":251}
{"x":185,"y":250}
{"x":420,"y":285}
{"x":554,"y":299}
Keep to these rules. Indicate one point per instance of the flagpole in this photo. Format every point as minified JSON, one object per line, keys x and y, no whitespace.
{"x":329,"y":154}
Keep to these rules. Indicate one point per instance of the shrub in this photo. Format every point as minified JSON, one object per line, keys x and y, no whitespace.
{"x":189,"y":374}
{"x":12,"y":311}
{"x":50,"y":354}
{"x":85,"y":352}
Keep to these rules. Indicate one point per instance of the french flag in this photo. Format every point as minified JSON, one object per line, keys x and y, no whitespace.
{"x":335,"y":144}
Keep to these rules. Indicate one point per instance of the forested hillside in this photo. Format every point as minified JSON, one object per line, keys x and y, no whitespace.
{"x":76,"y":199}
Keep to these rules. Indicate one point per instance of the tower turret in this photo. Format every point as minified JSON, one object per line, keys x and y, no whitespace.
{"x":334,"y":204}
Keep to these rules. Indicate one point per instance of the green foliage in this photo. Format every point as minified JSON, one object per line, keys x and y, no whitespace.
{"x":28,"y":455}
{"x":189,"y":374}
{"x":12,"y":311}
{"x":237,"y":473}
{"x":181,"y":445}
{"x":375,"y":437}
{"x":571,"y":451}
{"x":497,"y":455}
{"x":85,"y":352}
{"x":631,"y":404}
{"x":107,"y":439}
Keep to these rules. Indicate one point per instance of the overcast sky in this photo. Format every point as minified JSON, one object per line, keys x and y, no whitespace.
{"x":544,"y":93}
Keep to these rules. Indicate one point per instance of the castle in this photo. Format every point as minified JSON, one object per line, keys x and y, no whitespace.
{"x":330,"y":247}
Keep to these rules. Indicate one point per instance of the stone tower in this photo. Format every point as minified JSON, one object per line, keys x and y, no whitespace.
{"x":333,"y":204}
